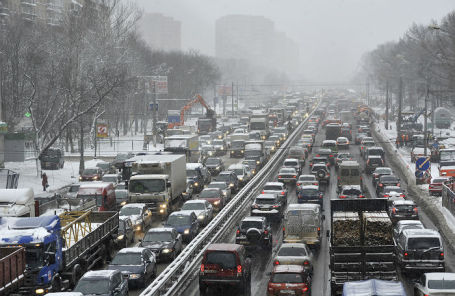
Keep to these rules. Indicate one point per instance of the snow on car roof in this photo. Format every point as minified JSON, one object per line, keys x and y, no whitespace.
{"x":100,"y":273}
{"x":131,"y":250}
{"x":193,"y":165}
{"x":267,"y":196}
{"x":310,"y":187}
{"x":161,"y":229}
{"x":135,"y":205}
{"x":252,"y":218}
{"x":273,"y":184}
{"x":236,"y":166}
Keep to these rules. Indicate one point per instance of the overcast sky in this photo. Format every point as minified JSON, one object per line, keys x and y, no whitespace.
{"x":332,"y":34}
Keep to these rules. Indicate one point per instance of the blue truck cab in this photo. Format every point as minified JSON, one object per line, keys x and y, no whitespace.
{"x":59,"y":249}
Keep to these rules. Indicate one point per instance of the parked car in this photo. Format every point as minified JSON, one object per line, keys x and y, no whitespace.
{"x":254,"y":232}
{"x":202,"y":208}
{"x":102,"y":282}
{"x":138,"y":265}
{"x":140,"y":215}
{"x":435,"y":283}
{"x":165,"y":242}
{"x":125,"y":232}
{"x":224,"y":187}
{"x":225,"y":264}
{"x":91,"y":174}
{"x":185,"y":222}
{"x":294,"y":254}
{"x":289,"y":280}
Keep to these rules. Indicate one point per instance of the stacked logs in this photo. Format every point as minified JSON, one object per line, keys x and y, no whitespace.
{"x":346,"y":229}
{"x":377,"y":229}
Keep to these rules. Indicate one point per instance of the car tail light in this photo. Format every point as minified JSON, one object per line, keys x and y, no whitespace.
{"x":338,"y":177}
{"x":386,"y":195}
{"x":317,"y":155}
{"x":402,"y":195}
{"x":279,"y":177}
{"x":361,"y":196}
{"x":275,"y":206}
{"x":398,"y":184}
{"x":405,"y":254}
{"x":368,"y":162}
{"x":441,"y":256}
{"x":415,"y":210}
{"x":262,"y":192}
{"x":266,"y":232}
{"x":238,"y":231}
{"x":394,"y":210}
{"x":375,"y":175}
{"x":342,"y":196}
{"x":328,"y":174}
{"x":239,"y":268}
{"x":294,"y":176}
{"x":202,"y":267}
{"x":315,"y":183}
{"x":298,"y":184}
{"x":306,"y":262}
{"x":282,"y":192}
{"x":380,"y":185}
{"x":331,"y":155}
{"x":276,"y":262}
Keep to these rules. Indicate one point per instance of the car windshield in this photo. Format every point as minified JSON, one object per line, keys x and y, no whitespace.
{"x":287,"y":171}
{"x":90,"y":171}
{"x":423,"y":243}
{"x":223,"y":177}
{"x":307,"y":178}
{"x":93,"y":286}
{"x":218,"y":142}
{"x":291,"y":163}
{"x":264,"y":201}
{"x":225,"y":260}
{"x":238,"y":172}
{"x":178,"y":220}
{"x":251,"y":224}
{"x":191,"y":173}
{"x":269,"y":143}
{"x":217,"y":185}
{"x":158,"y":236}
{"x":127,"y":259}
{"x":388,"y":178}
{"x":318,"y":167}
{"x":146,"y":186}
{"x":103,"y":165}
{"x":383,"y":171}
{"x":215,"y":161}
{"x":209,"y":194}
{"x":112,"y":179}
{"x":290,"y":251}
{"x":273,"y":187}
{"x":447,"y":155}
{"x":74,"y":188}
{"x":193,"y":206}
{"x":441,"y":284}
{"x":351,"y":191}
{"x":121,"y":156}
{"x":394,"y":189}
{"x":288,"y":278}
{"x":128,"y":211}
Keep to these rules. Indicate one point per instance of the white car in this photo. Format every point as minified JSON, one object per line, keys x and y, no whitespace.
{"x":139,"y":214}
{"x":202,"y":208}
{"x":435,"y":283}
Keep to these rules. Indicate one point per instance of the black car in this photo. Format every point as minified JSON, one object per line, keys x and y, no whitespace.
{"x":328,"y":153}
{"x":125,"y":232}
{"x":267,"y":205}
{"x":309,"y":194}
{"x":319,"y":159}
{"x":321,"y":171}
{"x":373,"y":162}
{"x":120,"y":159}
{"x":215,"y":165}
{"x":165,"y":242}
{"x":378,"y":172}
{"x":253,"y":232}
{"x":136,"y":264}
{"x":102,"y":282}
{"x":386,"y":180}
{"x":230,"y":178}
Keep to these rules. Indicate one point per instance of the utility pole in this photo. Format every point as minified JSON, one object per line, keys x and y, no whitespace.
{"x":387,"y":103}
{"x":368,"y":91}
{"x":400,"y":103}
{"x":232,"y":92}
{"x":425,"y":123}
{"x":154,"y":113}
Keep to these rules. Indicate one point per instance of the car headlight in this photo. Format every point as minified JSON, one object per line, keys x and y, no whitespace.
{"x":273,"y":149}
{"x":196,"y":184}
{"x":263,"y":137}
{"x":120,"y":237}
{"x":163,"y":206}
{"x":220,"y":137}
{"x":231,"y":185}
{"x":217,"y":168}
{"x":95,"y":178}
{"x":165,"y":251}
{"x":241,"y":151}
{"x":39,"y":291}
{"x":134,"y":276}
{"x":186,"y":231}
{"x":258,"y":162}
{"x":240,"y":178}
{"x":222,"y":148}
{"x":216,"y":202}
{"x":137,"y":227}
{"x":201,"y":217}
{"x":210,"y":153}
{"x":80,"y":179}
{"x":253,"y":172}
{"x":123,"y":203}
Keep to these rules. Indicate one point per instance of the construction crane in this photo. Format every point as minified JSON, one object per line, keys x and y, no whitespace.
{"x":197,"y":99}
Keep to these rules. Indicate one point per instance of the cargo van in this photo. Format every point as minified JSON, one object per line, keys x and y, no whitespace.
{"x":302,"y":224}
{"x":17,"y":202}
{"x":349,"y":174}
{"x":103,"y":193}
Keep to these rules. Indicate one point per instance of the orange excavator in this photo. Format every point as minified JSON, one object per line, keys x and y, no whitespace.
{"x":210,"y":113}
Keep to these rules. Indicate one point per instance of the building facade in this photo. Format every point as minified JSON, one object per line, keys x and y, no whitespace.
{"x":161,"y":32}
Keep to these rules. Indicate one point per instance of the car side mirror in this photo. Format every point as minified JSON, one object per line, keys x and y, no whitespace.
{"x":323,"y":217}
{"x":328,"y":233}
{"x":179,"y":236}
{"x":50,"y":257}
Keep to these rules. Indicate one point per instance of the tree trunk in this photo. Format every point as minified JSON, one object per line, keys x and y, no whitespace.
{"x":81,"y":149}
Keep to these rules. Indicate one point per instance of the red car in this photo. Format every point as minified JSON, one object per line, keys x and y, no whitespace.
{"x":289,"y":280}
{"x":435,"y":187}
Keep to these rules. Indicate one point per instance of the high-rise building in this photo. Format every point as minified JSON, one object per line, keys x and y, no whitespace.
{"x":253,"y":38}
{"x":161,"y":32}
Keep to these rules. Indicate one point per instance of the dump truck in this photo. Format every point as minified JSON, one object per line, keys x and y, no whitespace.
{"x":12,"y":269}
{"x":59,"y":249}
{"x":158,"y":181}
{"x":361,"y":245}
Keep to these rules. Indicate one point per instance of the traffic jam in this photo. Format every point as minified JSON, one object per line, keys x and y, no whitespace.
{"x":334,"y":218}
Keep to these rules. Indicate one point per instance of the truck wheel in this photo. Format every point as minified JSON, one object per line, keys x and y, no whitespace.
{"x":202,"y":289}
{"x":56,"y":284}
{"x":76,"y":275}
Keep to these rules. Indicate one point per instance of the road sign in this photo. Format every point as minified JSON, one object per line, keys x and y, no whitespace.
{"x":147,"y":83}
{"x":151,"y":106}
{"x":423,"y":163}
{"x":101,"y":130}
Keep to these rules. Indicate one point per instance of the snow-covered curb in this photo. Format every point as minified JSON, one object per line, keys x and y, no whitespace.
{"x":430,"y":205}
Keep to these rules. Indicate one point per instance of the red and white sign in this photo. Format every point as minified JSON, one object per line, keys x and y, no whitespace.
{"x":101,"y":130}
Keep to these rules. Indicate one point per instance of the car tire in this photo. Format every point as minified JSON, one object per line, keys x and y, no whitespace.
{"x":202,"y":289}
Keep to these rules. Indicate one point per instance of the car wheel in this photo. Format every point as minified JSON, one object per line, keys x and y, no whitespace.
{"x":202,"y":289}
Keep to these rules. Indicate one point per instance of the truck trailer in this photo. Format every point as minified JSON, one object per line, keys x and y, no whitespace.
{"x":12,"y":269}
{"x":158,"y":181}
{"x":59,"y":249}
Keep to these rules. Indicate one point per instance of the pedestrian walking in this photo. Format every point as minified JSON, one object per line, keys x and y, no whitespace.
{"x":397,"y":141}
{"x":44,"y":181}
{"x":407,"y":140}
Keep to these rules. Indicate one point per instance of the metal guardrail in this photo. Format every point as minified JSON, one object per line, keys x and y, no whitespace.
{"x":448,"y":197}
{"x":175,"y":278}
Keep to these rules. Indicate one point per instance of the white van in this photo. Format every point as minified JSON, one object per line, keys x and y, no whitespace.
{"x":302,"y":224}
{"x":17,"y":202}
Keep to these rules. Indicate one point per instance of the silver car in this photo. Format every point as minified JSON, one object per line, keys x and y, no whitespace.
{"x":202,"y":208}
{"x":294,"y":254}
{"x":227,"y":192}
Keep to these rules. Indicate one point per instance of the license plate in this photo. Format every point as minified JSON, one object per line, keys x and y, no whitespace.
{"x":210,"y":271}
{"x":244,"y":242}
{"x":287,"y":292}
